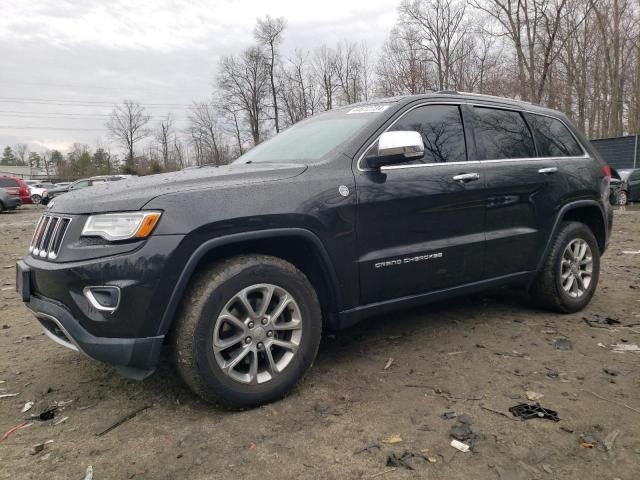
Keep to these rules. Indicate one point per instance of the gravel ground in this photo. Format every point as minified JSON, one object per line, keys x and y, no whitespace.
{"x":470,"y":359}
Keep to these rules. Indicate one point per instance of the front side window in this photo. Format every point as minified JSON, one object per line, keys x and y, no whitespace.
{"x":442,"y":132}
{"x":553,"y":139}
{"x":81,"y":184}
{"x":502,"y":134}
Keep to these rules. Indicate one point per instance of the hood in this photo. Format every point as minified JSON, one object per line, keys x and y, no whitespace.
{"x":133,"y":193}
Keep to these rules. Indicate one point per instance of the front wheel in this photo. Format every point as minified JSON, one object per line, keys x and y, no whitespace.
{"x":248,"y":330}
{"x":570,"y":272}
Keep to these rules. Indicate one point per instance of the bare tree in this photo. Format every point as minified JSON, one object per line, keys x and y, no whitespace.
{"x":163,"y":136}
{"x":268,"y":33}
{"x":441,"y":28}
{"x":203,"y":117}
{"x":324,"y":69}
{"x":128,"y":126}
{"x":244,"y":80}
{"x":21,"y":152}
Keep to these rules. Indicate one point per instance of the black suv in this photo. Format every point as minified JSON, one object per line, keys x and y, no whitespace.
{"x":353,"y":212}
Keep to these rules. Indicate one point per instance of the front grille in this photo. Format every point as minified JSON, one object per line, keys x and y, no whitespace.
{"x":47,"y":239}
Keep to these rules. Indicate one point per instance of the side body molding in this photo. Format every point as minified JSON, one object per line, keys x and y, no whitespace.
{"x":209,"y":245}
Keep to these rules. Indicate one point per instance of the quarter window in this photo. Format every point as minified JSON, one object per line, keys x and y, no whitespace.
{"x":442,"y":133}
{"x":553,"y":139}
{"x":502,"y":134}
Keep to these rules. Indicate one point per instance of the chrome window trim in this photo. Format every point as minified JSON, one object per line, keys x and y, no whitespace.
{"x":585,"y":155}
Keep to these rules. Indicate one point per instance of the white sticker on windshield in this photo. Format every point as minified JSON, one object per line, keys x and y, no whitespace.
{"x":368,"y":109}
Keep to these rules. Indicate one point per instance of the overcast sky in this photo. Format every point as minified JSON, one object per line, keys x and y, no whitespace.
{"x":63,"y":63}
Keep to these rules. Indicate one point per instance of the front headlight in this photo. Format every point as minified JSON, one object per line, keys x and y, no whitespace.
{"x":121,"y":226}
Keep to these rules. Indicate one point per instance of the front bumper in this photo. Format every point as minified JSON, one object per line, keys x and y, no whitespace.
{"x":133,"y":357}
{"x":129,"y":337}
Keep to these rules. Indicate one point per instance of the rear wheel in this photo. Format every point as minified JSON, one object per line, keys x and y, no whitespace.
{"x":622,"y":198}
{"x":570,"y":273}
{"x":248,"y":331}
{"x":36,"y":199}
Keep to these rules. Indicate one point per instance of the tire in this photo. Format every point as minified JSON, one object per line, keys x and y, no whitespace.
{"x":216,"y":289}
{"x":549,"y":288}
{"x":622,"y":198}
{"x":36,"y":199}
{"x":1,"y":207}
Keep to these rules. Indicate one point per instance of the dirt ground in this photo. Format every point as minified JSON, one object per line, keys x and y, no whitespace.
{"x":472,"y":357}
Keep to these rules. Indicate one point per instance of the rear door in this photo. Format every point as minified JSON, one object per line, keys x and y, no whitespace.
{"x":420,"y":228}
{"x":10,"y":185}
{"x":523,"y":191}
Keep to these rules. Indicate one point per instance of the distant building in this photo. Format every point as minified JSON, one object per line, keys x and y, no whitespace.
{"x":24,"y":171}
{"x":619,"y":152}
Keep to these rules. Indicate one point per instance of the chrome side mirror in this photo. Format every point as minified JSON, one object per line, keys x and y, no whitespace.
{"x":397,"y":147}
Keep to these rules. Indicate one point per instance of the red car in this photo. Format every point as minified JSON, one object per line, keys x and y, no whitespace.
{"x":16,"y":186}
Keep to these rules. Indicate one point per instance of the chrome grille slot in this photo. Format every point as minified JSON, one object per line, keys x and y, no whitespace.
{"x":48,"y":236}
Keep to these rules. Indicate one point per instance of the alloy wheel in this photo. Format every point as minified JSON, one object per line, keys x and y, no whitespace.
{"x":257,"y":333}
{"x":576,"y":268}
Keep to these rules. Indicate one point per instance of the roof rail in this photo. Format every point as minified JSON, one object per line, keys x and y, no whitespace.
{"x":448,"y":92}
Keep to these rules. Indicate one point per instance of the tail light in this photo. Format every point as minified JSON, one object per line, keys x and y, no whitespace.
{"x":607,"y":171}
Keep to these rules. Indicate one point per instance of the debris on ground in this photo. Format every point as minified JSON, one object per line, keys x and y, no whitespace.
{"x":462,"y":447}
{"x":388,"y":364}
{"x":122,"y":420}
{"x":46,"y":415}
{"x":601,"y":321}
{"x":62,"y":420}
{"x":499,"y":412}
{"x":36,"y":449}
{"x":402,"y":461}
{"x":611,"y":371}
{"x":562,"y":344}
{"x":533,"y":396}
{"x":27,"y":407}
{"x":526,"y":412}
{"x":14,"y":429}
{"x":624,"y":347}
{"x":367,"y":448}
{"x":8,"y":395}
{"x":448,"y":415}
{"x":392,"y":439}
{"x":88,"y":475}
{"x":631,"y":252}
{"x":610,"y":439}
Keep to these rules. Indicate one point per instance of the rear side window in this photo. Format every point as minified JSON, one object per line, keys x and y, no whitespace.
{"x":502,"y":134}
{"x":8,"y":182}
{"x":442,"y":132}
{"x":553,"y":138}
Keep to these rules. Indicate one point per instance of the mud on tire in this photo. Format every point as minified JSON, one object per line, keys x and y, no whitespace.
{"x":234,"y":308}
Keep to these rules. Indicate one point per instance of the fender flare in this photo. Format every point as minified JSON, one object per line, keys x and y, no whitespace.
{"x":556,"y":224}
{"x":209,"y":245}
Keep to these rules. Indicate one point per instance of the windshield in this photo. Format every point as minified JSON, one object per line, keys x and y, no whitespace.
{"x":312,"y":139}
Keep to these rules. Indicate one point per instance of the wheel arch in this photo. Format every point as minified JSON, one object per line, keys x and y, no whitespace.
{"x":299,"y":246}
{"x":588,"y":212}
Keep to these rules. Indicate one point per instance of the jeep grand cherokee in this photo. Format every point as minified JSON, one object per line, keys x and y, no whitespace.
{"x":353,"y":212}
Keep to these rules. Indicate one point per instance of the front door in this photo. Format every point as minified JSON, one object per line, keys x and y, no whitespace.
{"x":420,"y":225}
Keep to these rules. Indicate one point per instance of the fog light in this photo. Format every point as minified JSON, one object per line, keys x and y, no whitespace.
{"x":105,"y":298}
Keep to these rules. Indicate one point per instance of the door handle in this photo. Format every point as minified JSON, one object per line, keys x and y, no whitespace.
{"x":548,"y":170}
{"x":466,"y":177}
